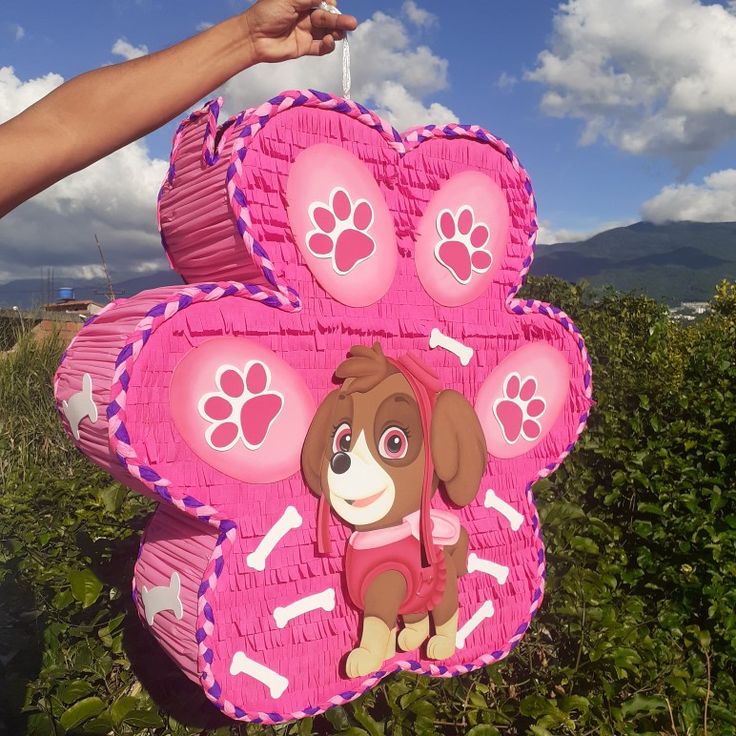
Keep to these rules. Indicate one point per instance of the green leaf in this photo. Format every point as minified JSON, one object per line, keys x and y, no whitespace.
{"x":143,"y":719}
{"x":98,"y":726}
{"x":86,"y":586}
{"x":723,"y":714}
{"x":72,"y":691}
{"x":41,"y":724}
{"x":81,"y":712}
{"x":113,"y":497}
{"x":643,"y":704}
{"x":121,"y":707}
{"x":338,"y":718}
{"x":535,"y":706}
{"x":373,"y":727}
{"x":305,"y":727}
{"x":540,"y":731}
{"x":583,"y":544}
{"x":575,"y":702}
{"x":483,"y":729}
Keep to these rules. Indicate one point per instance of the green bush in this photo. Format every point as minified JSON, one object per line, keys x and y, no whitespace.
{"x":637,"y":634}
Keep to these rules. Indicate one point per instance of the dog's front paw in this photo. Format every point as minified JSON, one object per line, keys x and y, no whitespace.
{"x":362,"y":662}
{"x":440,"y":647}
{"x":414,"y":634}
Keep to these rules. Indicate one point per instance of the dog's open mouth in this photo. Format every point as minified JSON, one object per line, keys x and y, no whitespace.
{"x":367,"y":501}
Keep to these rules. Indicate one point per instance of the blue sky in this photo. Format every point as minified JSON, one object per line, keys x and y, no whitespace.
{"x":484,"y":55}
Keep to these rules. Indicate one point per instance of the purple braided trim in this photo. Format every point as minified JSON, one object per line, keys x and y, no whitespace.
{"x":120,"y":444}
{"x":255,"y":120}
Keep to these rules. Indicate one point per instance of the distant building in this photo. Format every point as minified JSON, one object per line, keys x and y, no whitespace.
{"x":65,"y":317}
{"x":75,"y":306}
{"x":689,"y":311}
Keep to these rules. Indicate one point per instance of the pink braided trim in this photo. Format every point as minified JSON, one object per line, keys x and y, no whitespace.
{"x":227,"y":528}
{"x":255,"y":120}
{"x":205,"y":618}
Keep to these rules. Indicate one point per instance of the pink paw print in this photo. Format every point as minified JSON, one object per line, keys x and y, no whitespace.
{"x":462,"y":249}
{"x":341,"y":231}
{"x":242,"y":408}
{"x":520,"y":409}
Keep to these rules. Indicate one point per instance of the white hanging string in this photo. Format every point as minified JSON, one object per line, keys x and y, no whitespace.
{"x":346,"y":80}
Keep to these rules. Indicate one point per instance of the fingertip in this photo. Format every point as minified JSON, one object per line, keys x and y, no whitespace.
{"x":328,"y":44}
{"x":348,"y":22}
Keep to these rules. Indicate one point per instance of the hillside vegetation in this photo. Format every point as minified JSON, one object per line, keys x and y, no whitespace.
{"x":637,"y":634}
{"x":677,"y":262}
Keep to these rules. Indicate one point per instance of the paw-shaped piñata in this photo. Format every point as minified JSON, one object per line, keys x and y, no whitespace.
{"x":308,"y":229}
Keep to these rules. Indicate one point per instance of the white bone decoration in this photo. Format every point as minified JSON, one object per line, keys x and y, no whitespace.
{"x":163,"y":598}
{"x":290,"y":519}
{"x":324,"y":600}
{"x":80,"y":406}
{"x":438,"y":339}
{"x":242,"y":664}
{"x":478,"y":564}
{"x":492,"y":501}
{"x":485,"y":612}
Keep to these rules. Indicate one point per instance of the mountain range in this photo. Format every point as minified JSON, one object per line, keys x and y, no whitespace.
{"x":676,"y":262}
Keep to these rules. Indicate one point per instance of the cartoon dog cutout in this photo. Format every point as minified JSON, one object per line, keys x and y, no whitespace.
{"x":375,"y":453}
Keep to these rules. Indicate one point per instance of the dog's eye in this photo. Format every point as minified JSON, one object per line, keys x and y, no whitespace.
{"x":393,"y":444}
{"x":342,"y":438}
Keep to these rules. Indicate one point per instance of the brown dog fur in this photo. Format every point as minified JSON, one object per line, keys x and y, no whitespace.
{"x":375,"y":395}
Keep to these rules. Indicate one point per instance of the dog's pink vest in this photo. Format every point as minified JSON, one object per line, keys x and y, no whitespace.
{"x":398,"y":548}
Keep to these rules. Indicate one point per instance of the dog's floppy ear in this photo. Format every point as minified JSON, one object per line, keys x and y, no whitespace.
{"x":458,"y":447}
{"x":316,"y":441}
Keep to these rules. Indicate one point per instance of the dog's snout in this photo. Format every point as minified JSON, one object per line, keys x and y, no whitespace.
{"x":340,"y":463}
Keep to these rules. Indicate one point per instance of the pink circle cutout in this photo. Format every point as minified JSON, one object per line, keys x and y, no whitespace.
{"x":469,"y":211}
{"x":521,"y":399}
{"x":241,"y":409}
{"x":341,"y":224}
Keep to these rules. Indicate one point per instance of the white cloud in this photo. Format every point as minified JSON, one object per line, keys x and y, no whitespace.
{"x":114,"y":198}
{"x":418,"y":16}
{"x":388,"y":72}
{"x":123,"y":48}
{"x":204,"y":25}
{"x":652,"y":77}
{"x":712,"y":201}
{"x":18,"y":31}
{"x":16,"y":96}
{"x":506,"y":81}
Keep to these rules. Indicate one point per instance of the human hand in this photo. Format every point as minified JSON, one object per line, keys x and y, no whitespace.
{"x":287,"y":29}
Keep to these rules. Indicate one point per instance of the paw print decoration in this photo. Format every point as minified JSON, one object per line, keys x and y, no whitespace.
{"x":341,"y":231}
{"x":304,"y":228}
{"x":242,"y":408}
{"x":462,"y":247}
{"x":520,"y":408}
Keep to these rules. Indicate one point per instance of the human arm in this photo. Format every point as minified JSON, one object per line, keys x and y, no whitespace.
{"x":98,"y":112}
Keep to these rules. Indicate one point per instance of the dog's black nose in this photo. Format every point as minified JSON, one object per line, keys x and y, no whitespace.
{"x":340,"y":463}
